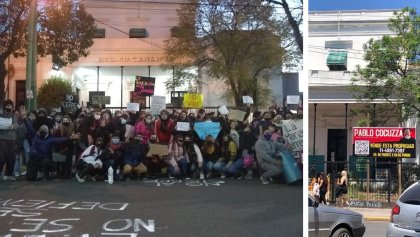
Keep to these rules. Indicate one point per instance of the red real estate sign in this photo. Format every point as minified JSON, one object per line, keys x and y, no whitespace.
{"x":384,"y":142}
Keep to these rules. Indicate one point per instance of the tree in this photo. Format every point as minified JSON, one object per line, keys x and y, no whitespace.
{"x":53,"y":91}
{"x":65,"y":31}
{"x":392,"y":71}
{"x":294,"y":21}
{"x":237,"y":42}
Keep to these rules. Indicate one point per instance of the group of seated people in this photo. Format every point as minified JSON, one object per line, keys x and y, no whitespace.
{"x":140,"y":145}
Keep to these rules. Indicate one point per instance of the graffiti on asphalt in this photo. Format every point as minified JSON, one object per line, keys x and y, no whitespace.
{"x":27,"y":225}
{"x":366,"y":204}
{"x":191,"y":183}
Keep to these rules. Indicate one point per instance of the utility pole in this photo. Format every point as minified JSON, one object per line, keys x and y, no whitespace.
{"x":31,"y":57}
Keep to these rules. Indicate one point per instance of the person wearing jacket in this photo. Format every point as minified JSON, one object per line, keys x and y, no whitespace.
{"x":177,"y":157}
{"x":90,"y":164}
{"x":268,"y":155}
{"x":230,"y":155}
{"x":164,"y":126}
{"x":8,"y":141}
{"x":41,"y":149}
{"x":135,"y":153}
{"x":195,"y":156}
{"x":211,"y":154}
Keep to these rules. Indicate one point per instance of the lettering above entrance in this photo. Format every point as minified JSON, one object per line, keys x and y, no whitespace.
{"x":133,"y":59}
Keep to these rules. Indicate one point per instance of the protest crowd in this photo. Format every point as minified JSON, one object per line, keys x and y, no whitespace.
{"x":95,"y":144}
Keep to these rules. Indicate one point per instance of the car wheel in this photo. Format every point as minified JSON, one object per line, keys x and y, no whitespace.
{"x":342,"y":232}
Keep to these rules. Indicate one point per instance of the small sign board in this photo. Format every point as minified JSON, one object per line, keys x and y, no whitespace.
{"x":158,"y":103}
{"x":133,"y":106}
{"x":293,"y":99}
{"x":247,"y":100}
{"x":193,"y":101}
{"x":101,"y":100}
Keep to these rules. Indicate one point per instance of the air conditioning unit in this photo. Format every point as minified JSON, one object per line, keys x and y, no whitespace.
{"x":138,"y":33}
{"x":99,"y":33}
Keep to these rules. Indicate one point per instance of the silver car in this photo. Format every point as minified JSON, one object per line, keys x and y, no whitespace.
{"x":405,"y":215}
{"x":326,"y":221}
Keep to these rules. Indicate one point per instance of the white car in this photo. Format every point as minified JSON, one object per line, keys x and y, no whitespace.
{"x":405,"y":215}
{"x":327,"y":221}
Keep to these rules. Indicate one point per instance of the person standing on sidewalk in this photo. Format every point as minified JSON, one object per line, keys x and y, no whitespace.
{"x":323,"y":187}
{"x":343,"y":189}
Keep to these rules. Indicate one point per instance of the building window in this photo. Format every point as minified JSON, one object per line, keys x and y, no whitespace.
{"x":339,"y":44}
{"x":99,"y":33}
{"x":337,"y":60}
{"x":138,"y":33}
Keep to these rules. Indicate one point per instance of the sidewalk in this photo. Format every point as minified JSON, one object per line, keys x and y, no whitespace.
{"x":373,"y":214}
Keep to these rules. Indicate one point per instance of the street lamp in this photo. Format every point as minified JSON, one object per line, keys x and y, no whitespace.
{"x":31,"y":58}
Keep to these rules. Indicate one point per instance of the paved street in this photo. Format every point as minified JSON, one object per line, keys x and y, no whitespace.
{"x":375,"y":228}
{"x":154,"y":208}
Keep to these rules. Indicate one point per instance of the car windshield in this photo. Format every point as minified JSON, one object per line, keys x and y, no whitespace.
{"x":411,"y":196}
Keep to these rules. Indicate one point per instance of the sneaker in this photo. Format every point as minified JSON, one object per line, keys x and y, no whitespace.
{"x":264,"y":180}
{"x":201,"y":176}
{"x":222,"y":176}
{"x":81,"y":180}
{"x":9,"y":178}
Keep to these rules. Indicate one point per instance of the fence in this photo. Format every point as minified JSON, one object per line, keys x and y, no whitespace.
{"x":371,"y":182}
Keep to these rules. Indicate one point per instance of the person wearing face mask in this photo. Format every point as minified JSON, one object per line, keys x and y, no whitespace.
{"x":195,"y":156}
{"x":268,"y":155}
{"x":42,"y":119}
{"x":135,"y":153}
{"x":105,"y":128}
{"x":247,"y":147}
{"x":66,"y":129}
{"x":265,"y":121}
{"x":41,"y":150}
{"x":8,"y":141}
{"x":57,"y":121}
{"x":177,"y":158}
{"x":164,"y":126}
{"x":144,"y":128}
{"x":113,"y":156}
{"x":90,"y":164}
{"x":211,"y":152}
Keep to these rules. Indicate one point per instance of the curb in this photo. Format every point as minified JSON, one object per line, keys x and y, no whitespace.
{"x":376,"y":218}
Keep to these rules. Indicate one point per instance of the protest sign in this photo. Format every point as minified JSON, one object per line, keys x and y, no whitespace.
{"x":207,"y":128}
{"x":237,"y":115}
{"x":144,"y":86}
{"x":133,"y":106}
{"x":293,"y":99}
{"x":5,"y":123}
{"x":247,"y":100}
{"x":194,"y":101}
{"x":293,"y":133}
{"x":158,"y":103}
{"x":158,"y":149}
{"x":223,"y":110}
{"x":183,"y":126}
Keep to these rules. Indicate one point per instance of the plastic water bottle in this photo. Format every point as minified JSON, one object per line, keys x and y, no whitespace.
{"x":110,"y":175}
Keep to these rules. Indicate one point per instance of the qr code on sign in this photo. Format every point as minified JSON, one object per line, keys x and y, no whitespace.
{"x":361,"y":148}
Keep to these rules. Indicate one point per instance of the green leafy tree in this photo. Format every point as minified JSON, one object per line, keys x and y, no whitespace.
{"x":65,"y":31}
{"x":237,"y":42}
{"x":53,"y":91}
{"x":392,"y":71}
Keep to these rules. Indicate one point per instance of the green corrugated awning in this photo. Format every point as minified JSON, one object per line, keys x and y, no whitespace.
{"x":337,"y":58}
{"x":337,"y":61}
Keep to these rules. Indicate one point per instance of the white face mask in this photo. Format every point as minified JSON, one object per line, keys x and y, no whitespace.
{"x":97,"y":116}
{"x":123,"y":121}
{"x":148,"y":120}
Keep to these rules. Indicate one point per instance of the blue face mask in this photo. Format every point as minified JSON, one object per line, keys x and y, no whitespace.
{"x":267,"y":136}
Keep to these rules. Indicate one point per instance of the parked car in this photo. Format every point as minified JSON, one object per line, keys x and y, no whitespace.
{"x":405,"y":214}
{"x":326,"y":221}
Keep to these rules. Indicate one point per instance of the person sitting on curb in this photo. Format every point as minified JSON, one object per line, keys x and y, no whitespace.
{"x":268,"y":155}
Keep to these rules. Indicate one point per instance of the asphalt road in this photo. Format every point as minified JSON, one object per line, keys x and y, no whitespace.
{"x":153,"y":208}
{"x":375,"y":228}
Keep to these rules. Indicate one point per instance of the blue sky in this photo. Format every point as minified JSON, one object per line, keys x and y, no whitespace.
{"x":317,"y":5}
